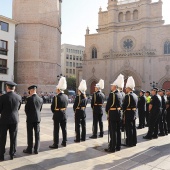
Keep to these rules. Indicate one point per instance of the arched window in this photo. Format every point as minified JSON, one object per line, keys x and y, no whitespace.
{"x":120,"y":17}
{"x":94,"y":53}
{"x":128,"y":15}
{"x":167,"y":47}
{"x":135,"y":14}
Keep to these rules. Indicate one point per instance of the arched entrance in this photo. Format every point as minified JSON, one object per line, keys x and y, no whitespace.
{"x":92,"y":87}
{"x":166,"y":85}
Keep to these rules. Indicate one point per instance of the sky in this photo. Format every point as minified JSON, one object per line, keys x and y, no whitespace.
{"x":77,"y":15}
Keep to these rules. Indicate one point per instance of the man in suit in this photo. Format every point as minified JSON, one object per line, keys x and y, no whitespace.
{"x":33,"y":108}
{"x":58,"y":107}
{"x":9,"y":105}
{"x":141,"y":109}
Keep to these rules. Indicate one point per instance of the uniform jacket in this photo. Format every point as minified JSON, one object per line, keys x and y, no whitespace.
{"x":156,"y":105}
{"x":33,"y":108}
{"x":9,"y":105}
{"x":142,"y":103}
{"x":114,"y":101}
{"x":59,"y":101}
{"x":130,"y":102}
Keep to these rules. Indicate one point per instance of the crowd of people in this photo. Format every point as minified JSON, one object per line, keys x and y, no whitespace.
{"x":121,"y":109}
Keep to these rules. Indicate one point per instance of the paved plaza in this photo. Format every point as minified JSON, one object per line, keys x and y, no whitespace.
{"x":153,"y":154}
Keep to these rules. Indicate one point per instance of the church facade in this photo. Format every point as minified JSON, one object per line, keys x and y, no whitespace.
{"x":132,"y":40}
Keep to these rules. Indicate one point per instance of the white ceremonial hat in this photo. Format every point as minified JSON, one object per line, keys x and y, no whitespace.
{"x":62,"y":84}
{"x":120,"y":81}
{"x":83,"y":86}
{"x":100,"y":84}
{"x":130,"y":83}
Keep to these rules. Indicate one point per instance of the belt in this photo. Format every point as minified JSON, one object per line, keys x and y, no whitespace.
{"x":80,"y":108}
{"x":131,"y":109}
{"x":98,"y":104}
{"x":115,"y":108}
{"x":57,"y":109}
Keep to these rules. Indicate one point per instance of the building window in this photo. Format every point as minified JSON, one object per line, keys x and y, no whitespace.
{"x":70,"y":64}
{"x":67,"y":63}
{"x":94,"y":53}
{"x":128,"y":15}
{"x":4,"y":26}
{"x":3,"y":66}
{"x":74,"y":71}
{"x":67,"y":70}
{"x":67,"y":49}
{"x":76,"y":64}
{"x":135,"y":14}
{"x":73,"y":57}
{"x":120,"y":17}
{"x":70,"y":57}
{"x":3,"y":47}
{"x":77,"y":58}
{"x":70,"y":71}
{"x":67,"y":56}
{"x":167,"y":47}
{"x":73,"y":64}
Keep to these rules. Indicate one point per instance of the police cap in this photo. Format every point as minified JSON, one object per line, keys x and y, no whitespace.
{"x":10,"y":83}
{"x":155,"y":89}
{"x":32,"y":87}
{"x":142,"y":91}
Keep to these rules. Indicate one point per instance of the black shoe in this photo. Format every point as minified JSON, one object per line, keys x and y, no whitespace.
{"x":93,"y":137}
{"x":100,"y":136}
{"x":27,"y":151}
{"x":76,"y":141}
{"x":146,"y":125}
{"x":64,"y":144}
{"x":109,"y":150}
{"x":161,"y":134}
{"x":154,"y":136}
{"x":166,"y":133}
{"x":147,"y":137}
{"x":83,"y":140}
{"x":53,"y":146}
{"x":139,"y":127}
{"x":36,"y":152}
{"x":11,"y":157}
{"x":117,"y":148}
{"x":1,"y":158}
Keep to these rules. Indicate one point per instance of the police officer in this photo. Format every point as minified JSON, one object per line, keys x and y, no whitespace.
{"x":168,"y":109}
{"x":154,"y":109}
{"x":79,"y":110}
{"x":162,"y":120}
{"x":9,"y":105}
{"x":33,"y":108}
{"x":58,"y":107}
{"x":113,"y":108}
{"x":148,"y":100}
{"x":96,"y":105}
{"x":129,"y":108}
{"x":141,"y":109}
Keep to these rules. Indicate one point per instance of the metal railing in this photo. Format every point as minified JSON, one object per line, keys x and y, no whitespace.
{"x":121,"y":2}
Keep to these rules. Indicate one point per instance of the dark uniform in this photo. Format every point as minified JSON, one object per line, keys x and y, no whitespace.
{"x":154,"y":118}
{"x":80,"y":116}
{"x":141,"y":111}
{"x":9,"y":105}
{"x":168,"y":113}
{"x":113,"y":108}
{"x":122,"y":124}
{"x":162,"y":121}
{"x":129,"y":108}
{"x":33,"y":112}
{"x":96,"y":105}
{"x":58,"y":107}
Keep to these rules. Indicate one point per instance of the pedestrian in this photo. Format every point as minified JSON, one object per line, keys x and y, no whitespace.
{"x":58,"y":107}
{"x":129,"y":108}
{"x":9,"y":105}
{"x":168,"y":109}
{"x":96,"y":104}
{"x":33,"y":108}
{"x":141,"y":109}
{"x":155,"y":110}
{"x":113,"y":107}
{"x":148,"y":100}
{"x":79,"y":108}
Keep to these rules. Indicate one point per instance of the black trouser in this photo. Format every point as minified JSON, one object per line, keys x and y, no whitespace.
{"x":168,"y":119}
{"x":147,"y":114}
{"x":36,"y":127}
{"x":153,"y":124}
{"x":131,"y":134}
{"x":97,"y":117}
{"x":163,"y":123}
{"x":13,"y":129}
{"x":114,"y":128}
{"x":57,"y":124}
{"x":141,"y":114}
{"x":80,"y":120}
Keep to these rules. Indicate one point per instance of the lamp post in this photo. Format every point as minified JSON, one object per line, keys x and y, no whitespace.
{"x":153,"y":84}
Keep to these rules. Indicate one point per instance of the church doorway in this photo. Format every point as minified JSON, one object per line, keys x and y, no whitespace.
{"x":92,"y":87}
{"x":166,"y":85}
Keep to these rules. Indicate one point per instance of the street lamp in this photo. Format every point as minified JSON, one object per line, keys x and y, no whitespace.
{"x":153,"y":84}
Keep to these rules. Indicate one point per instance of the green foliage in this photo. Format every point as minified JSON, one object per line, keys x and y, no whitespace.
{"x":71,"y":83}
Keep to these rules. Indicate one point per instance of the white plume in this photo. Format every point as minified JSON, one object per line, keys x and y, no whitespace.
{"x":130,"y":83}
{"x":83,"y":86}
{"x":62,"y":84}
{"x":120,"y":81}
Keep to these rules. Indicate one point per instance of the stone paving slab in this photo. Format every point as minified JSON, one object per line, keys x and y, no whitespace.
{"x":88,"y":155}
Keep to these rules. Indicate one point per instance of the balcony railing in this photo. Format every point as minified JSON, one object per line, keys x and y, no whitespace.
{"x":121,"y":2}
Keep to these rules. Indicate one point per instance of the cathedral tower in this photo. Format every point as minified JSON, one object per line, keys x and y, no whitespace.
{"x":38,"y":43}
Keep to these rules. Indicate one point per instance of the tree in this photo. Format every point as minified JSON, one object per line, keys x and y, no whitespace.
{"x":71,"y":83}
